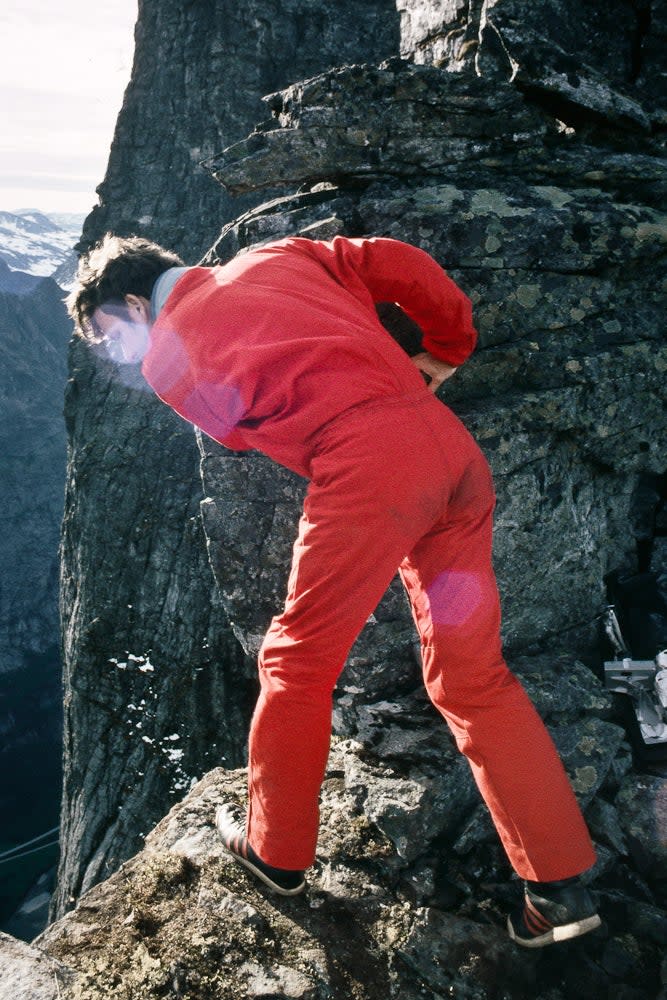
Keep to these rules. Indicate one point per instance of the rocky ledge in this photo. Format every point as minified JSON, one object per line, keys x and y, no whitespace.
{"x":409,"y":894}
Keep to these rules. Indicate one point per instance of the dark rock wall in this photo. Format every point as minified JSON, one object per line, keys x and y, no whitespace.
{"x":33,"y":333}
{"x":147,"y":701}
{"x":558,"y":48}
{"x":563,"y":254}
{"x":137,"y":589}
{"x":199,"y":73}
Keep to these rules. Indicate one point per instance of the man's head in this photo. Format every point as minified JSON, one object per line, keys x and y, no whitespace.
{"x":110,"y":301}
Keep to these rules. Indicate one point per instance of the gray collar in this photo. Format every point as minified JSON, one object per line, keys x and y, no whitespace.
{"x":163,"y":288}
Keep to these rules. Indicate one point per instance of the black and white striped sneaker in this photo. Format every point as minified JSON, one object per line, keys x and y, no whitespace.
{"x":287,"y":882}
{"x":552,"y":912}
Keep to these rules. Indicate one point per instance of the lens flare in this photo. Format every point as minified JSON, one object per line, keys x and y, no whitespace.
{"x":168,"y":362}
{"x":123,"y":339}
{"x":454,"y":597}
{"x":215,"y":407}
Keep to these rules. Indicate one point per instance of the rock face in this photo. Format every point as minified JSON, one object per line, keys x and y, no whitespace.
{"x":199,"y":73}
{"x":34,"y":330}
{"x":148,"y":651}
{"x":144,"y":632}
{"x":537,"y":179}
{"x":566,"y":273}
{"x":28,"y":974}
{"x":583,"y":61}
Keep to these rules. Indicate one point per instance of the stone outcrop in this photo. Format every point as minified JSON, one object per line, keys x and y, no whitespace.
{"x":582,"y":62}
{"x":26,"y":973}
{"x":389,"y":911}
{"x":542,"y":192}
{"x":144,"y":633}
{"x":564,"y":259}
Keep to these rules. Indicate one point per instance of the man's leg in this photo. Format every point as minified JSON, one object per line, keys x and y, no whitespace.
{"x":408,"y":479}
{"x":450,"y":581}
{"x":451,"y":585}
{"x":377,"y":485}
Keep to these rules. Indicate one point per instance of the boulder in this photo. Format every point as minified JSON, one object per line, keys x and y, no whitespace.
{"x":27,"y":973}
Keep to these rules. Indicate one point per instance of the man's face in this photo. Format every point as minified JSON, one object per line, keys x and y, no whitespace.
{"x":124,"y":330}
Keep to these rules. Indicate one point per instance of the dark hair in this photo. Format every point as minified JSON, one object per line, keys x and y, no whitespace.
{"x":117,"y":266}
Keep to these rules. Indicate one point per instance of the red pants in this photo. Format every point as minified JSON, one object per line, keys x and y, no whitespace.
{"x":401,"y":484}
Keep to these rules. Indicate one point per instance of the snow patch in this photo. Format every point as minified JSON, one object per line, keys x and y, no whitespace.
{"x":34,"y":244}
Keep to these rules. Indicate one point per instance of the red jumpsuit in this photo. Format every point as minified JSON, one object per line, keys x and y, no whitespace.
{"x":281,"y":350}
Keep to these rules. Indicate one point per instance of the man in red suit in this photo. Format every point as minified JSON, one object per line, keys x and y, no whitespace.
{"x":281,"y":350}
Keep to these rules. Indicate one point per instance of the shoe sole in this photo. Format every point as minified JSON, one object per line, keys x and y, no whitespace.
{"x":265,"y":878}
{"x":262,"y":876}
{"x":563,"y":933}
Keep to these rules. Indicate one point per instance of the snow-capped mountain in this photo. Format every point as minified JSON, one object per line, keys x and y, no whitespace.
{"x":38,"y":244}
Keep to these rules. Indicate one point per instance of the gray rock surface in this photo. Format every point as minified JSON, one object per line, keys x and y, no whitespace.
{"x":144,"y":632}
{"x":27,"y":973}
{"x":642,"y":804}
{"x":588,"y":62}
{"x":182,"y":919}
{"x":199,"y":73}
{"x":567,"y":392}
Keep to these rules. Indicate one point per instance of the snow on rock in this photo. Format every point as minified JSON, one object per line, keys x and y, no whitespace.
{"x":35,"y":244}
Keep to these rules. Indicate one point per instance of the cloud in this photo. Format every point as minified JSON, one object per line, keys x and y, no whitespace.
{"x":61,"y":88}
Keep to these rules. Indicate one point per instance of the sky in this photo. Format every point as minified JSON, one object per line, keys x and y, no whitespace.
{"x":64,"y":66}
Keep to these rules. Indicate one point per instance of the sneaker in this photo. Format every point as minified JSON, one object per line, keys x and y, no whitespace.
{"x":553,"y":911}
{"x":287,"y":882}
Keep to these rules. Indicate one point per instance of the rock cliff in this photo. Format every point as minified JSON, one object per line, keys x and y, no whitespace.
{"x":557,"y":251}
{"x":523,"y":146}
{"x":200,"y":70}
{"x":148,"y":651}
{"x":34,"y":329}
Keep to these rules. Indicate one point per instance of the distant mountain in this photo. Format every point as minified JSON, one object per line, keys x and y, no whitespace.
{"x":38,"y":244}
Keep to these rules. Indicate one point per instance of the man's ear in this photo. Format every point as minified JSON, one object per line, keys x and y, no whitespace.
{"x":139,"y":307}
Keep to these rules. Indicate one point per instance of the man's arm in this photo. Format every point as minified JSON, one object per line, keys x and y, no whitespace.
{"x":393,"y":271}
{"x":436,"y":371}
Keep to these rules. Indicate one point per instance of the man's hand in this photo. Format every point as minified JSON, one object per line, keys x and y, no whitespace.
{"x":436,"y":372}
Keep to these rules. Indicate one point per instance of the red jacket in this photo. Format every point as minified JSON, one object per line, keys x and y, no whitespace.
{"x":264,"y":351}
